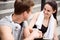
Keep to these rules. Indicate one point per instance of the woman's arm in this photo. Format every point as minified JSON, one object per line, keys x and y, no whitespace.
{"x":55,"y":32}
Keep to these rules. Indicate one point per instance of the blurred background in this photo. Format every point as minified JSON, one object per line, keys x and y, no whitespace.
{"x":7,"y":8}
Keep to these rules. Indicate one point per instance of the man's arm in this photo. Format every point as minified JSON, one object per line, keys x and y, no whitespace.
{"x":29,"y":28}
{"x":33,"y":35}
{"x":5,"y":33}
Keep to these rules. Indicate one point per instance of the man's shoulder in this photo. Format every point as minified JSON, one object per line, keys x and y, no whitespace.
{"x":5,"y":21}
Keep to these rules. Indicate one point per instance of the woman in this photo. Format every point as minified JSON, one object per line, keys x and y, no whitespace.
{"x":46,"y":22}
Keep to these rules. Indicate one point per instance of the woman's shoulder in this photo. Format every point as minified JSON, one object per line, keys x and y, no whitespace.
{"x":55,"y":23}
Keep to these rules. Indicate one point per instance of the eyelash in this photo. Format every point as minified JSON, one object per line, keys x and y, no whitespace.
{"x":47,"y":10}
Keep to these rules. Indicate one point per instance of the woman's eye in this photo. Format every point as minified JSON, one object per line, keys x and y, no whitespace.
{"x":48,"y":10}
{"x":44,"y":8}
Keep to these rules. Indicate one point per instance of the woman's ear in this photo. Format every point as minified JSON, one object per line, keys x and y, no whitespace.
{"x":54,"y":11}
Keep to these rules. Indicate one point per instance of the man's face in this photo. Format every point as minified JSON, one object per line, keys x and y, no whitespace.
{"x":26,"y":14}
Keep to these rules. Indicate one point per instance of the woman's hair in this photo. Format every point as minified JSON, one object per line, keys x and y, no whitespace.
{"x":53,"y":4}
{"x":22,"y":5}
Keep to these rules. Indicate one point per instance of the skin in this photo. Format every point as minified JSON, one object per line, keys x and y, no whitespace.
{"x":33,"y":35}
{"x":5,"y":32}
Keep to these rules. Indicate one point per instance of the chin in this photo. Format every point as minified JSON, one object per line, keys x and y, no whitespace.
{"x":26,"y":19}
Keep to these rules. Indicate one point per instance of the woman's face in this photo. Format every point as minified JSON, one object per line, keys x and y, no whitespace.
{"x":48,"y":10}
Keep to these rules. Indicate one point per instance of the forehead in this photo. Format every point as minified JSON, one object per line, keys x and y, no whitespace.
{"x":48,"y":7}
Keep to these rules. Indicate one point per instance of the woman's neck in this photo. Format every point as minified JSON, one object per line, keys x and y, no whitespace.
{"x":46,"y":18}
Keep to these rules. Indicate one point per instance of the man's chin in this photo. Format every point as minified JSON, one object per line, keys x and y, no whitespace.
{"x":25,"y":19}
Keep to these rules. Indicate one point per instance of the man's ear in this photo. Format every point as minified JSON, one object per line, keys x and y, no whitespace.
{"x":54,"y":11}
{"x":24,"y":13}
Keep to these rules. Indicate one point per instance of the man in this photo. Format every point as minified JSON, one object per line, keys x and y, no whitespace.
{"x":10,"y":28}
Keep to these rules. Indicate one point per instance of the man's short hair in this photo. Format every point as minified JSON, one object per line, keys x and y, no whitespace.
{"x":22,"y":5}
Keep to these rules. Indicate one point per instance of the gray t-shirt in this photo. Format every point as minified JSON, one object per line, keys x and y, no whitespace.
{"x":16,"y":28}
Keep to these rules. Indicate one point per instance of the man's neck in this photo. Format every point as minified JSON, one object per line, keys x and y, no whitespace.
{"x":17,"y":19}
